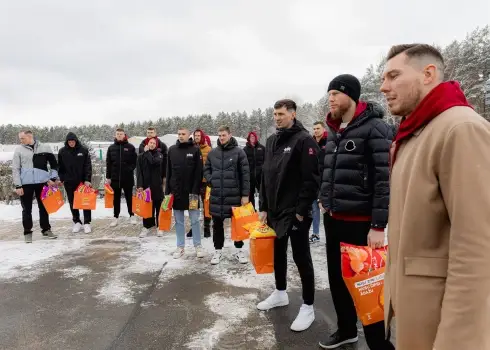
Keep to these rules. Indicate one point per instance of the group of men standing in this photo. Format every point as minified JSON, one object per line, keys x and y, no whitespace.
{"x":437,"y":167}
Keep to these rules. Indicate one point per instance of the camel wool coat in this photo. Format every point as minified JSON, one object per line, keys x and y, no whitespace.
{"x":437,"y":282}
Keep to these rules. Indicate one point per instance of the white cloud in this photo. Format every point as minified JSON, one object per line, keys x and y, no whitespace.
{"x":67,"y":62}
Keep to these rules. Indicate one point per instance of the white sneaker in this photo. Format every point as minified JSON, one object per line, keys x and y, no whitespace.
{"x":276,"y":299}
{"x":77,"y":227}
{"x":305,"y":318}
{"x":133,"y":220}
{"x":114,"y":222}
{"x":178,"y":252}
{"x":216,"y":257}
{"x":160,"y":233}
{"x":199,"y":252}
{"x":240,"y":256}
{"x":144,"y":232}
{"x":87,"y":228}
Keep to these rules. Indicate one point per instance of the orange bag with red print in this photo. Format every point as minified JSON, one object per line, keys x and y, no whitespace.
{"x":363,"y":270}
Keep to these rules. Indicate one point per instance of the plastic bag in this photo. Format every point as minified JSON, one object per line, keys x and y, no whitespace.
{"x":108,"y":196}
{"x":193,"y":202}
{"x":167,"y":203}
{"x":258,"y":229}
{"x":363,"y":270}
{"x":52,"y":199}
{"x":244,"y":210}
{"x":241,"y":216}
{"x":261,"y":247}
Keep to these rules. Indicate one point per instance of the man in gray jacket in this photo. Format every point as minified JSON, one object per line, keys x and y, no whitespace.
{"x":30,"y":172}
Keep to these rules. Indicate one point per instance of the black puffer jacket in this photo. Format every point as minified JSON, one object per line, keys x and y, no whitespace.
{"x":74,"y":163}
{"x":290,"y":177}
{"x":120,"y":163}
{"x":355,"y":179}
{"x":321,"y":154}
{"x":150,"y":173}
{"x":255,"y":155}
{"x":184,"y":173}
{"x":228,"y":173}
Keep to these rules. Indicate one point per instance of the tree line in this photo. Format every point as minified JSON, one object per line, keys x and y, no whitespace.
{"x":467,"y":61}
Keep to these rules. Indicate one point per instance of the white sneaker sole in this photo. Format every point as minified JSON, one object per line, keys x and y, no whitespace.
{"x":303,"y":328}
{"x":267,"y":308}
{"x":347,"y":341}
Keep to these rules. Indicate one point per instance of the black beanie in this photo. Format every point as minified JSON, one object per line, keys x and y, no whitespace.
{"x":348,"y":84}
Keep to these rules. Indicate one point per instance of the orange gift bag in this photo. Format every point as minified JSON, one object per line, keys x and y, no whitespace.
{"x":261,"y":247}
{"x":207,"y":197}
{"x":363,"y":270}
{"x":142,"y":204}
{"x":241,"y":216}
{"x":52,"y":199}
{"x":85,"y":198}
{"x":108,"y":196}
{"x":165,"y":220}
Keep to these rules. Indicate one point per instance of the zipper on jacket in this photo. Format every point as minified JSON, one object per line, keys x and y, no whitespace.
{"x":120,"y":163}
{"x":337,"y":143}
{"x":255,"y":165}
{"x":222,"y":181}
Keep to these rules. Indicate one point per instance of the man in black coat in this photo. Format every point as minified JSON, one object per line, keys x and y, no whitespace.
{"x":290,"y":181}
{"x":120,"y":165}
{"x":184,"y":179}
{"x":75,"y":167}
{"x":320,"y":136}
{"x":255,"y":154}
{"x":151,"y":133}
{"x":354,"y":195}
{"x":228,"y":174}
{"x":150,"y":173}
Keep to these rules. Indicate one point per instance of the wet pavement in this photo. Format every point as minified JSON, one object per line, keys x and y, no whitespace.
{"x":112,"y":290}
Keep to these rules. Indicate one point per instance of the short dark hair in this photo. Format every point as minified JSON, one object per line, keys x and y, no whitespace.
{"x":27,"y":132}
{"x":417,"y":51}
{"x":224,"y":128}
{"x":120,"y":130}
{"x":150,"y":128}
{"x":289,"y":104}
{"x":319,"y":123}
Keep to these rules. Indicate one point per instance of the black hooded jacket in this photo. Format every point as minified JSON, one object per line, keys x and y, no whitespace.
{"x":355,"y":180}
{"x":184,"y":173}
{"x":290,"y":177}
{"x":228,"y":173}
{"x":120,"y":163}
{"x":74,"y":163}
{"x":255,"y":155}
{"x":150,"y":173}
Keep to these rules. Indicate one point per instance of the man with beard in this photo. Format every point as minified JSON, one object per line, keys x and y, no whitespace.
{"x":255,"y":154}
{"x":200,"y":142}
{"x":290,"y":180}
{"x":150,"y":173}
{"x":228,"y":174}
{"x":120,"y":165}
{"x":75,"y":167}
{"x":184,"y":179}
{"x":437,"y":276}
{"x":354,"y":195}
{"x":320,"y":136}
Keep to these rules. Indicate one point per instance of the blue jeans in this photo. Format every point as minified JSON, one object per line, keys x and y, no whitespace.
{"x":316,"y":218}
{"x":180,"y":229}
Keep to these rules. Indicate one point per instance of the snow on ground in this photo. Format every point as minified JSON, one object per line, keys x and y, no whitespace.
{"x":26,"y":262}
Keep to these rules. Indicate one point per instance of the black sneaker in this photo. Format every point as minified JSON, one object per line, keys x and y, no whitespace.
{"x":336,"y":340}
{"x":49,"y":234}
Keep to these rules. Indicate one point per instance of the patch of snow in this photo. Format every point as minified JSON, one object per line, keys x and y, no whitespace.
{"x":26,"y":262}
{"x":116,"y":291}
{"x":76,"y":272}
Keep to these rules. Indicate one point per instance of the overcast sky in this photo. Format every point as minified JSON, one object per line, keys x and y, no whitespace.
{"x":94,"y":61}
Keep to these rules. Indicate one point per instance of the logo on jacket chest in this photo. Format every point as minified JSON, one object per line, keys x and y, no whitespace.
{"x":287,"y":150}
{"x":125,"y":149}
{"x":80,"y":155}
{"x":189,"y":155}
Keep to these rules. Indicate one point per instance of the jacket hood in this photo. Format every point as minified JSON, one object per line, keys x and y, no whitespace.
{"x":203,"y":136}
{"x":231,"y":144}
{"x":145,"y":141}
{"x":254,"y":134}
{"x":208,"y":141}
{"x":364,"y":111}
{"x":189,"y":143}
{"x":297,"y":127}
{"x":71,"y":136}
{"x":125,"y":140}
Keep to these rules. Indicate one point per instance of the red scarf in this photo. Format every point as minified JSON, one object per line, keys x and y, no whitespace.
{"x":442,"y":97}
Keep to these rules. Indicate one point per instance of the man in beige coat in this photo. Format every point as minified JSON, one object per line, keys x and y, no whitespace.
{"x":438,"y":271}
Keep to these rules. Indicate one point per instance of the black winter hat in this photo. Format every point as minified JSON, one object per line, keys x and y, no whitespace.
{"x":348,"y":84}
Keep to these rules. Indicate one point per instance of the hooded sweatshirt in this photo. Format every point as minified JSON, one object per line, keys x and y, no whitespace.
{"x":255,"y":154}
{"x":75,"y":165}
